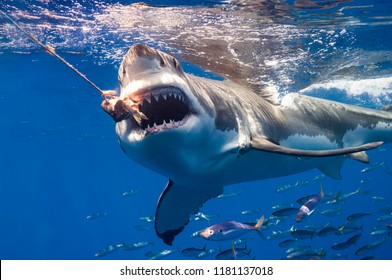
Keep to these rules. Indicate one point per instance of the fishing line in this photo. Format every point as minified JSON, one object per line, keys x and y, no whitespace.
{"x":51,"y":50}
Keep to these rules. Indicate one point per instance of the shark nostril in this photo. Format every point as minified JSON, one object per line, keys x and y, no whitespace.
{"x":162,"y":62}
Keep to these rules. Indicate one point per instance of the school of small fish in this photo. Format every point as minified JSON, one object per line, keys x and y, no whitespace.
{"x":347,"y":233}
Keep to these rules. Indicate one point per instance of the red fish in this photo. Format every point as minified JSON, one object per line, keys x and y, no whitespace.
{"x":229,"y":230}
{"x":309,"y":206}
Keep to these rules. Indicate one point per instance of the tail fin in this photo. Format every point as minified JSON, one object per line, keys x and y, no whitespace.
{"x":259,"y":223}
{"x":321,"y":190}
{"x":233,"y":252}
{"x":258,"y":227}
{"x":335,"y":198}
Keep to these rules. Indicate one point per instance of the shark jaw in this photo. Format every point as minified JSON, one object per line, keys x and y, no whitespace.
{"x":165,"y":108}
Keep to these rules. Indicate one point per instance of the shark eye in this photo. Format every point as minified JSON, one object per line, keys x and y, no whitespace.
{"x":211,"y":232}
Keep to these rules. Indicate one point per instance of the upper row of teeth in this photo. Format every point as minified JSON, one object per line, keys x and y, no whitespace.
{"x":164,"y":95}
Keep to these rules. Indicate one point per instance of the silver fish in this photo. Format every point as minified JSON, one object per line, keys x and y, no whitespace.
{"x":384,"y":218}
{"x":386,"y":168}
{"x":350,"y":242}
{"x":356,"y":216}
{"x":159,"y":254}
{"x":370,"y":247}
{"x":192,"y":252}
{"x":380,"y":231}
{"x":371,"y":168}
{"x":242,"y":240}
{"x":287,"y":243}
{"x":229,"y":195}
{"x":303,"y":234}
{"x":285,"y":212}
{"x":340,"y":256}
{"x":282,"y":205}
{"x":320,"y":177}
{"x":366,"y":180}
{"x":199,"y":216}
{"x":96,"y":216}
{"x":250,"y":212}
{"x":234,"y":253}
{"x":131,"y":192}
{"x":107,"y":250}
{"x":280,"y":234}
{"x":297,"y":249}
{"x":207,"y":253}
{"x":286,"y":187}
{"x":342,"y":197}
{"x":332,"y":212}
{"x":328,"y":231}
{"x":137,"y":245}
{"x":309,"y":254}
{"x":378,"y":198}
{"x":350,"y":228}
{"x":148,"y":219}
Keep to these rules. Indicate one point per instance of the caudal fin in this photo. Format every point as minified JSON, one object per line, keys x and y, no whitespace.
{"x":321,"y":190}
{"x":259,"y":223}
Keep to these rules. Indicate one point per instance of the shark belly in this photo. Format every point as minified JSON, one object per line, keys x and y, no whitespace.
{"x":192,"y":158}
{"x":258,"y":165}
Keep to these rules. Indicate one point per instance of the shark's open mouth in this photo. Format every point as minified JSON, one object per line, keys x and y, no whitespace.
{"x":165,"y":108}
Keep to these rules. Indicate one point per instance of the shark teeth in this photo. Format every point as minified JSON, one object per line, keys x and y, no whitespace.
{"x":163,"y":108}
{"x":147,"y":98}
{"x":154,"y":128}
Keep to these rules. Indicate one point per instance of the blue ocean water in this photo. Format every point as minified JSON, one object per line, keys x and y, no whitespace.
{"x":60,"y":161}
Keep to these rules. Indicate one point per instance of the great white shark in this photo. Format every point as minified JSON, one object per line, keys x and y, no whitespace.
{"x":204,"y":134}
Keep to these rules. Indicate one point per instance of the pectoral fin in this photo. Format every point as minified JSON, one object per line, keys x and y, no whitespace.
{"x":176,"y":204}
{"x":263,"y":144}
{"x":360,"y":156}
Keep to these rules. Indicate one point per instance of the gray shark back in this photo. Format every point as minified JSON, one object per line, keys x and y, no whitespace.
{"x":346,"y":125}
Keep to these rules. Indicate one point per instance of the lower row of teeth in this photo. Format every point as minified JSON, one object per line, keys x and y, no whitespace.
{"x":171,"y":123}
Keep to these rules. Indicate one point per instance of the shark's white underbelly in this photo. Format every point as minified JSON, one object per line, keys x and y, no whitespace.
{"x":257,"y":165}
